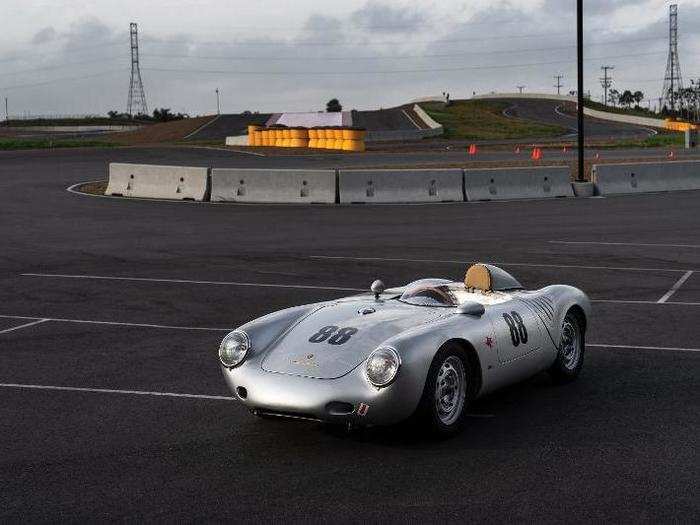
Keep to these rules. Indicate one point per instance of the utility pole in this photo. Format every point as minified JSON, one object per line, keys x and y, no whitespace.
{"x":520,"y":89}
{"x":579,"y":59}
{"x":218,"y":106}
{"x":606,"y":82}
{"x":558,"y":85}
{"x":7,"y":114}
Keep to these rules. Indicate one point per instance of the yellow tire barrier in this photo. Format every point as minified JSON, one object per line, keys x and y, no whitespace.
{"x":675,"y":125}
{"x":251,"y":134}
{"x":354,"y":145}
{"x":335,"y":138}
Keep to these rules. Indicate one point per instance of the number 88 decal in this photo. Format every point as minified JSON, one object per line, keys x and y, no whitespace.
{"x":518,"y":331}
{"x":335,"y":335}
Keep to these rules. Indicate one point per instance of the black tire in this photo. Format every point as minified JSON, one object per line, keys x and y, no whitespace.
{"x":428,"y":416}
{"x":566,"y":368}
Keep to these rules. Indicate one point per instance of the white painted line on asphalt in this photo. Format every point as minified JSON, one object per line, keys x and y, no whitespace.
{"x":203,"y":126}
{"x":533,"y":265}
{"x":114,"y":323}
{"x":73,"y":189}
{"x":145,"y":393}
{"x":114,"y":391}
{"x":299,"y":286}
{"x":636,"y":347}
{"x":680,"y":282}
{"x":244,"y":152}
{"x":632,"y":301}
{"x":409,"y":118}
{"x":189,"y":281}
{"x":650,"y":245}
{"x":25,"y":325}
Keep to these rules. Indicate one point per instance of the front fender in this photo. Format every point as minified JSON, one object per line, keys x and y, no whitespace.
{"x":418,"y":347}
{"x":263,"y":331}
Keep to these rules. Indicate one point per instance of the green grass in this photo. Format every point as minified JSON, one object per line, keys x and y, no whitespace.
{"x":484,"y":120}
{"x":14,"y":144}
{"x":636,"y":112}
{"x":662,"y":140}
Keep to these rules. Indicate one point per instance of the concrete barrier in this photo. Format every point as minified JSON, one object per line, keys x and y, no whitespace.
{"x":611,"y":179}
{"x":273,"y":186}
{"x":517,"y":183}
{"x":158,"y":182}
{"x":387,"y":186}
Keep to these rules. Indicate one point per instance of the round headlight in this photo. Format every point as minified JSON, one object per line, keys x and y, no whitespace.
{"x":233,"y":349}
{"x":382,"y":366}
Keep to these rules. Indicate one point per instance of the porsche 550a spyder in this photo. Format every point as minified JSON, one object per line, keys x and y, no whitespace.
{"x":424,"y":350}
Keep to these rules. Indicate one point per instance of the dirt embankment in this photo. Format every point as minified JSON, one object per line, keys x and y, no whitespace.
{"x":160,"y":133}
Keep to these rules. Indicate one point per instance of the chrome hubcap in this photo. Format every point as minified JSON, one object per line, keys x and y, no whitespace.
{"x":450,"y":390}
{"x":570,"y":344}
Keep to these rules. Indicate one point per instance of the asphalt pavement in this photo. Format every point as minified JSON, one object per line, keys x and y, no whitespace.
{"x":113,"y":407}
{"x":560,"y":113}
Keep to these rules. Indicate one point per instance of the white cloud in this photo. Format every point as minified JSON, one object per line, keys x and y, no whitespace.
{"x":469,"y":42}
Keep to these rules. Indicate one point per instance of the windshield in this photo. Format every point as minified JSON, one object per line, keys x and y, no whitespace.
{"x":429,"y":295}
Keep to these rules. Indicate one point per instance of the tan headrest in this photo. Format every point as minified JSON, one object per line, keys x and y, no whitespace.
{"x":478,"y":278}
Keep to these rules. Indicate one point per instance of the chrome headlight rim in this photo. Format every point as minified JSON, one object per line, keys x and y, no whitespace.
{"x":397,"y":358}
{"x":246,"y":342}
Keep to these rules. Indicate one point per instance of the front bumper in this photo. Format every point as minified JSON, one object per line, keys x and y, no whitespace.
{"x":347,"y":399}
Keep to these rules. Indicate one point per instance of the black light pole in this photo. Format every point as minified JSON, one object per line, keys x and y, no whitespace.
{"x":579,"y":46}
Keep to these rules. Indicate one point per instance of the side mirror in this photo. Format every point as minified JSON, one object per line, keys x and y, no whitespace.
{"x":377,"y":288}
{"x":472,"y":308}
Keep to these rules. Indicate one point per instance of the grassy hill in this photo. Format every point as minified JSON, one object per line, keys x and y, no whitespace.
{"x":484,"y":120}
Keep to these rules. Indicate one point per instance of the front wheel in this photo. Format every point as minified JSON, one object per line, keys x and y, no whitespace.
{"x":569,"y":360}
{"x":448,"y":391}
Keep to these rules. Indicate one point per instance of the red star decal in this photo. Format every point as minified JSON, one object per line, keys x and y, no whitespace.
{"x":489,"y":342}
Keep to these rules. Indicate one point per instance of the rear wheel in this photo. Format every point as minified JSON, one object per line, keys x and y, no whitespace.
{"x":449,"y":389}
{"x":569,"y":360}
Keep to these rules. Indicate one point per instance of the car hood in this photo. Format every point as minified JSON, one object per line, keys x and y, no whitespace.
{"x":374,"y":322}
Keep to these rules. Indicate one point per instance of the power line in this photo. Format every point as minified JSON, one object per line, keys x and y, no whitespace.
{"x":383,"y":72}
{"x":61,"y":79}
{"x":60,"y":66}
{"x":363,"y":42}
{"x":24,"y":55}
{"x":395,"y":57}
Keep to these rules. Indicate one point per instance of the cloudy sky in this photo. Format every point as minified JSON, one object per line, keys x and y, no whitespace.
{"x":72,"y":57}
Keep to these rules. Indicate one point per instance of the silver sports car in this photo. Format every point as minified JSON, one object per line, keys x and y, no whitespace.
{"x":425,"y":350}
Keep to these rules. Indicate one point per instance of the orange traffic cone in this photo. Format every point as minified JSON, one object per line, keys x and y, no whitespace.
{"x":536,"y":154}
{"x":517,"y":150}
{"x":472,"y":149}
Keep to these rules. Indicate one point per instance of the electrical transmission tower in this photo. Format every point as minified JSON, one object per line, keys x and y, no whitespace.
{"x":137,"y":97}
{"x":520,"y":89}
{"x":606,"y":82}
{"x":558,"y":85}
{"x":673,"y":81}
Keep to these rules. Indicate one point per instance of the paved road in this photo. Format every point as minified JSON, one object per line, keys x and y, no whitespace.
{"x":557,"y":113}
{"x":618,"y":445}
